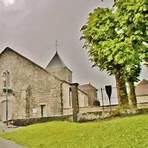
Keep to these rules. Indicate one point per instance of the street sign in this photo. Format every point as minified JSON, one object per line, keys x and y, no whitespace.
{"x":108,"y":89}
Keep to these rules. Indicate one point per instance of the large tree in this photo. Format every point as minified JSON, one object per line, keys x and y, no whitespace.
{"x":116,"y":39}
{"x":132,"y":25}
{"x":105,"y":49}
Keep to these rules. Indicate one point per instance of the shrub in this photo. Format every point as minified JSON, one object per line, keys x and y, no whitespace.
{"x":96,"y":103}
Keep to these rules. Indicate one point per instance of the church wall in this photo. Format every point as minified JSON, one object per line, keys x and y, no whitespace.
{"x":45,"y":89}
{"x":62,"y":73}
{"x":67,"y":98}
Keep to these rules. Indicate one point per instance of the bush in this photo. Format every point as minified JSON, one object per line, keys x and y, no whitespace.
{"x":25,"y":122}
{"x":96,"y":103}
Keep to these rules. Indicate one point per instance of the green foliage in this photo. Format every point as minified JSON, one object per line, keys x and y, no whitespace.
{"x":105,"y":48}
{"x":100,"y":38}
{"x":132,"y":24}
{"x":133,"y":20}
{"x":130,"y":132}
{"x":116,"y":38}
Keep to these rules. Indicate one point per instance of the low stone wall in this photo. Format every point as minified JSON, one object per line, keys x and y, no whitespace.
{"x":25,"y":122}
{"x":86,"y":114}
{"x":91,"y":116}
{"x":67,"y":111}
{"x":142,"y":105}
{"x":97,"y":109}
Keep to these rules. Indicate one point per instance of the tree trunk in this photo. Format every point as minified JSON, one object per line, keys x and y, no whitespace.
{"x":132,"y":94}
{"x":121,"y":90}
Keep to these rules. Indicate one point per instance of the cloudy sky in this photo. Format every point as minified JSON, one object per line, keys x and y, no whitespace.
{"x":31,"y":27}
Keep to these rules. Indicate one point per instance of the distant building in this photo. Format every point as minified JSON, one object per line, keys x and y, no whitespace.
{"x":35,"y":91}
{"x":91,"y":91}
{"x":142,"y":91}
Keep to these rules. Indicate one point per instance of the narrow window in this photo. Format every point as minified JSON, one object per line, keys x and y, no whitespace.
{"x":42,"y":110}
{"x":70,"y":97}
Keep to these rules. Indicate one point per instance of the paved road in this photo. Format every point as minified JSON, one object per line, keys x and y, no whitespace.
{"x":6,"y":143}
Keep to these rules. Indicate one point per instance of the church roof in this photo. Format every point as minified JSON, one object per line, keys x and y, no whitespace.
{"x":7,"y":49}
{"x":56,"y":62}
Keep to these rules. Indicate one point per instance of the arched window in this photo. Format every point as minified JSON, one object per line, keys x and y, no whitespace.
{"x":6,"y":79}
{"x":70,"y":97}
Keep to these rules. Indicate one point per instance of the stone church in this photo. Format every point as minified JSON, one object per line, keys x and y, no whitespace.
{"x":28,"y":90}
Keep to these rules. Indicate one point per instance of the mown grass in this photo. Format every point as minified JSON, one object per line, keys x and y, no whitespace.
{"x":129,"y":132}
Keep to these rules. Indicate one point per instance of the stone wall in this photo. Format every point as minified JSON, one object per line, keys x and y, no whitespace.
{"x":35,"y":92}
{"x":66,"y":94}
{"x":45,"y":89}
{"x":62,"y":73}
{"x":142,"y":99}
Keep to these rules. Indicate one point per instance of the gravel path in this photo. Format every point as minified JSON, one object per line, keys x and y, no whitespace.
{"x":6,"y":143}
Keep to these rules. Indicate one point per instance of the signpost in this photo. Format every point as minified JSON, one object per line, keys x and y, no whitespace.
{"x":102,"y":99}
{"x":108,"y":89}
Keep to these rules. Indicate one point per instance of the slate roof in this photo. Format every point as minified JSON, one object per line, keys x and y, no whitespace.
{"x":56,"y":62}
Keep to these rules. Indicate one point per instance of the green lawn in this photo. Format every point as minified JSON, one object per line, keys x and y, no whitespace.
{"x":130,"y":132}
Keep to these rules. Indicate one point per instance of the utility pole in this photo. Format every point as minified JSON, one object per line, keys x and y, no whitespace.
{"x":102,"y":99}
{"x":6,"y":83}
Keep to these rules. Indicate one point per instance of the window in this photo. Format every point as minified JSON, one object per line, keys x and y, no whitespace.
{"x":70,"y":97}
{"x":42,"y":110}
{"x":6,"y":79}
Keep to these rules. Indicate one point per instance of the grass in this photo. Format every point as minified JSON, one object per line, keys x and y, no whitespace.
{"x":129,"y":132}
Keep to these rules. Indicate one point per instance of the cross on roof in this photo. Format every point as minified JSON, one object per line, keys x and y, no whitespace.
{"x":56,"y":45}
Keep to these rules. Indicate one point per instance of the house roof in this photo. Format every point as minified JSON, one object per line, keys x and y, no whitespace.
{"x":10,"y":49}
{"x":142,"y":88}
{"x":56,"y":62}
{"x":87,"y":86}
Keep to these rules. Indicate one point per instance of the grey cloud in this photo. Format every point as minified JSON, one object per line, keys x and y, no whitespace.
{"x":32,"y":26}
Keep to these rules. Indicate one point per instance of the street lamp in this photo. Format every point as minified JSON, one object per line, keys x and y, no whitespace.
{"x":6,"y":89}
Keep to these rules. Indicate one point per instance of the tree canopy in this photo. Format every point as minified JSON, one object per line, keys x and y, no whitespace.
{"x":116,"y":39}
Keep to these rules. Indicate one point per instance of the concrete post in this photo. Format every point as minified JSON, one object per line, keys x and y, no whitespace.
{"x":75,"y":101}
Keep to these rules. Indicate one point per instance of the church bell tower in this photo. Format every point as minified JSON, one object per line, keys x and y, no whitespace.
{"x":57,"y":67}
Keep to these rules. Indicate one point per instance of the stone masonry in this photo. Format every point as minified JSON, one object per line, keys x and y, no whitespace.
{"x":36,"y":92}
